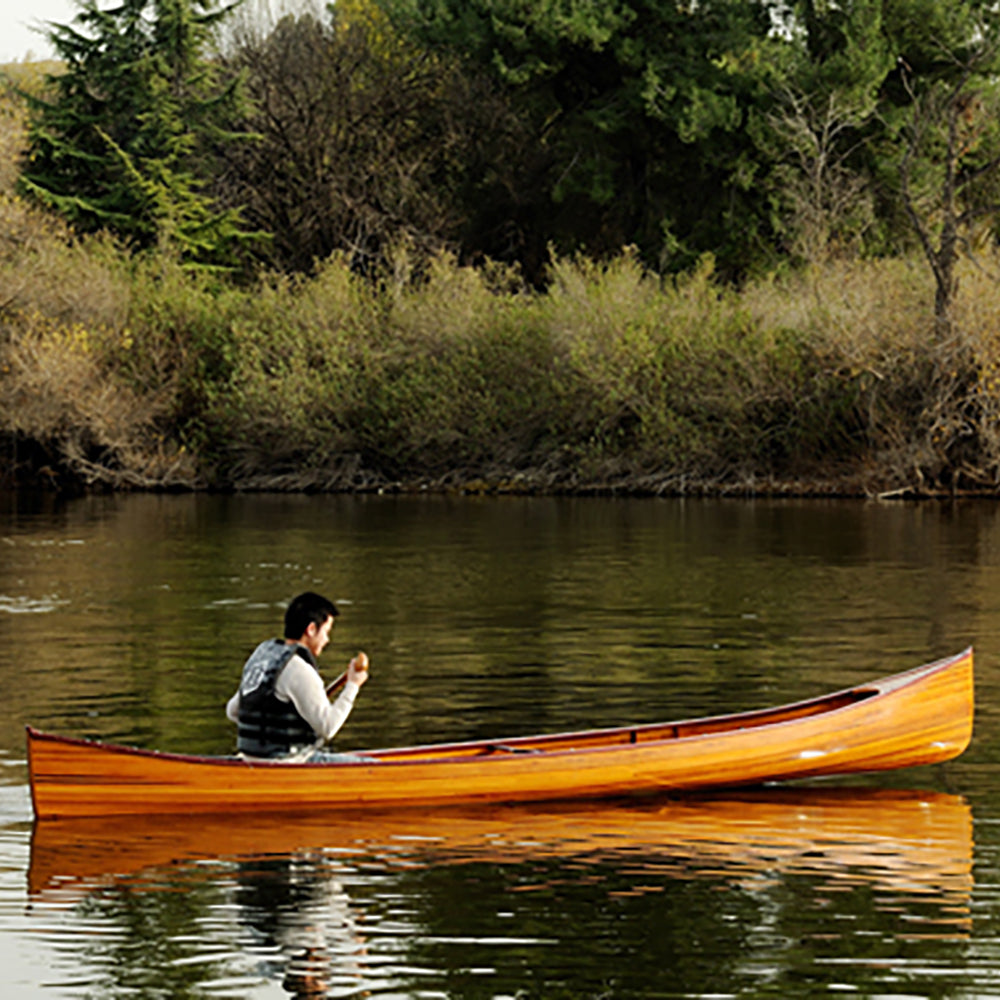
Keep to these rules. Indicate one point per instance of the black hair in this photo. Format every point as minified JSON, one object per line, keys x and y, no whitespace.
{"x":306,"y":608}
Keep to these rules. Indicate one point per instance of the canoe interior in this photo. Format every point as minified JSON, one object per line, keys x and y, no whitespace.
{"x":631,"y":735}
{"x":586,"y":740}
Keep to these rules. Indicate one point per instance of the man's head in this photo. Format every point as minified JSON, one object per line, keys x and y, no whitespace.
{"x":309,"y":619}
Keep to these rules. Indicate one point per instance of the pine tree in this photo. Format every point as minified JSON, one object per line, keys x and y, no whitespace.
{"x":639,"y":110}
{"x":122,"y":139}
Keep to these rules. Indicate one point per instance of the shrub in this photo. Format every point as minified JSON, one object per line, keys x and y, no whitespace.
{"x":56,"y":390}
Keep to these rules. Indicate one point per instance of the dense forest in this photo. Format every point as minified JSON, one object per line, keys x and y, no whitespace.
{"x":731,"y":246}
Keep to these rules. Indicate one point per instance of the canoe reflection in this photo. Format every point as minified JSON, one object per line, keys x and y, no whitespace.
{"x":912,"y":841}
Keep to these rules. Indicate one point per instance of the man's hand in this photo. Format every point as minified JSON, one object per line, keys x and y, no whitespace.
{"x":357,"y":669}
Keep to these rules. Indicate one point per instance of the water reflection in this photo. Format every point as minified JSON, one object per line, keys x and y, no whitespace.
{"x":493,"y":618}
{"x":902,"y":839}
{"x":296,"y":908}
{"x":333,"y":907}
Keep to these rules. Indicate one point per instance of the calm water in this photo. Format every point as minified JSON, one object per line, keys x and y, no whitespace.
{"x":128,"y":618}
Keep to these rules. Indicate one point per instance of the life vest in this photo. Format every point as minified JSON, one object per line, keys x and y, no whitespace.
{"x":268,"y":726}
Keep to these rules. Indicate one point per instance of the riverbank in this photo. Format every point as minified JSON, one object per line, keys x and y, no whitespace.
{"x":118,"y":373}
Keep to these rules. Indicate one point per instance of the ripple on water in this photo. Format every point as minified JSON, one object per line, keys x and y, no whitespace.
{"x":21,"y":605}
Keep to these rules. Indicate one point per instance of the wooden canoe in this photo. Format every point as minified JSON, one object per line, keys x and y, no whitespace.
{"x":922,"y":716}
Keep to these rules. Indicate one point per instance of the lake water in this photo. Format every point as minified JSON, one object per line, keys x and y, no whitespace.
{"x":128,"y":618}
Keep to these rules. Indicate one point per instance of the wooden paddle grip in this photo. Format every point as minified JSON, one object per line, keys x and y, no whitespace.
{"x":335,"y":685}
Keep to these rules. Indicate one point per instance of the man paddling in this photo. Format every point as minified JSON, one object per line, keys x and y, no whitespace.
{"x":281,"y":706}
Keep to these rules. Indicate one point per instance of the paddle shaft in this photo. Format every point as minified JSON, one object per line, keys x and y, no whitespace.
{"x":337,"y":684}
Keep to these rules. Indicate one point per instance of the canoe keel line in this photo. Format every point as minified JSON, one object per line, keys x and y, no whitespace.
{"x":922,"y":716}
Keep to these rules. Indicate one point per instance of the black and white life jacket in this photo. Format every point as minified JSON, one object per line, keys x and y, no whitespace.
{"x":269,"y":727}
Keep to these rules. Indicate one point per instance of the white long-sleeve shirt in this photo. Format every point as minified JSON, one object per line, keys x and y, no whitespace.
{"x":300,"y":683}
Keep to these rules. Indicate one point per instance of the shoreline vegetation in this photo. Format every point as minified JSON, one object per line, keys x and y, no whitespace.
{"x":132,"y":371}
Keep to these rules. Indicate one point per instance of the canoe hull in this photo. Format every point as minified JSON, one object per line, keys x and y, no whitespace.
{"x":923,"y":716}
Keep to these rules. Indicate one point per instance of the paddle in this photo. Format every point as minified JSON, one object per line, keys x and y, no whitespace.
{"x":336,"y":685}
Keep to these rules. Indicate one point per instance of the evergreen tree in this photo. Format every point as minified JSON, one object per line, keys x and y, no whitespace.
{"x":748,"y":129}
{"x":640,"y":108}
{"x":123,"y":137}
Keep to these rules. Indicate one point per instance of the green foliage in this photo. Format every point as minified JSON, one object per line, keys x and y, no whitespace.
{"x":122,"y":137}
{"x":815,"y":134}
{"x":788,"y":148}
{"x":765,"y":135}
{"x":639,"y":109}
{"x":753,"y":132}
